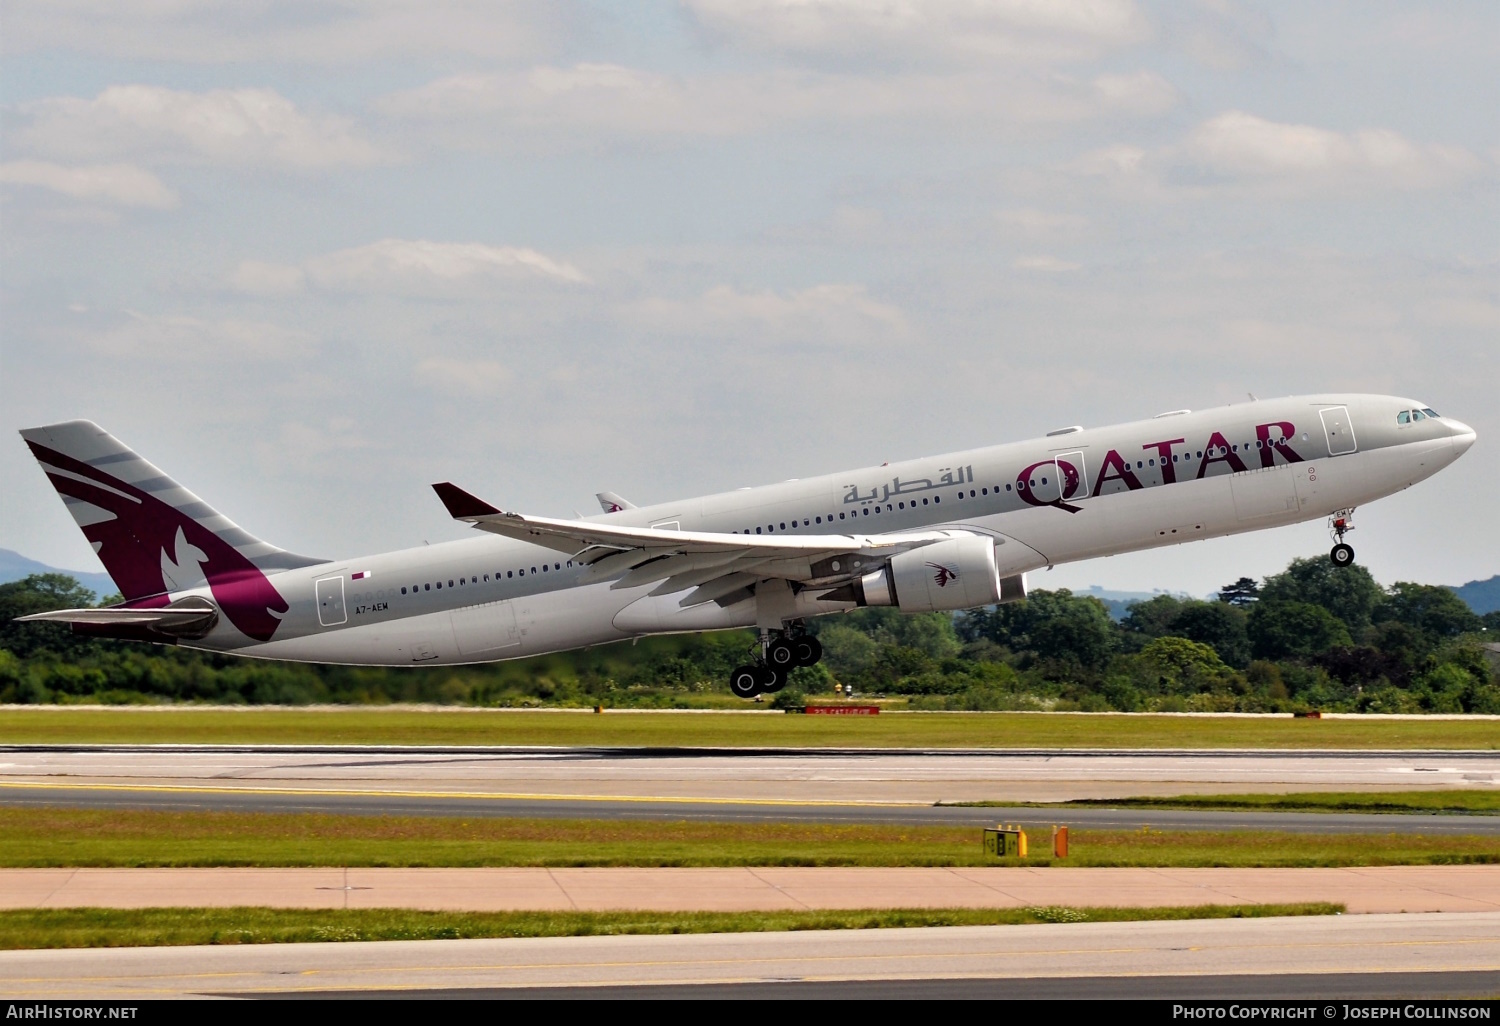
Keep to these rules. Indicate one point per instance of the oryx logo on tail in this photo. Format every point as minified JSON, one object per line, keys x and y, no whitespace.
{"x":155,"y":537}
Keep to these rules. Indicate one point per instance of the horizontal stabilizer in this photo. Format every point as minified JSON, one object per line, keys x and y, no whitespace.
{"x":190,"y":618}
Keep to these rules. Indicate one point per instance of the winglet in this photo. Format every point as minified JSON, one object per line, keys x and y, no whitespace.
{"x":461,"y":505}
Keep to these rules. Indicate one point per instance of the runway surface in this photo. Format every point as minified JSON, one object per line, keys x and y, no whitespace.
{"x":1313,"y":951}
{"x":826,"y":786}
{"x":1313,"y":987}
{"x":1374,"y":889}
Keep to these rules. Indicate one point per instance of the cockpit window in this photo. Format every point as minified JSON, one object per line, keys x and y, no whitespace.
{"x":1430,"y":413}
{"x":1404,"y":417}
{"x":1417,"y":415}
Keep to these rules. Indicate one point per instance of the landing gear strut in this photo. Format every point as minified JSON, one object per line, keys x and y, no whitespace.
{"x":1340,"y":524}
{"x":781,"y":652}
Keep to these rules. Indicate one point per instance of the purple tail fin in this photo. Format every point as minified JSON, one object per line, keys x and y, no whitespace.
{"x":154,"y":536}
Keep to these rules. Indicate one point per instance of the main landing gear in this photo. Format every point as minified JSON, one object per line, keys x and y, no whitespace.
{"x":1340,"y":524}
{"x":781,"y":653}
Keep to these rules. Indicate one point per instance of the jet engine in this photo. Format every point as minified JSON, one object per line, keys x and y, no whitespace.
{"x":959,"y":573}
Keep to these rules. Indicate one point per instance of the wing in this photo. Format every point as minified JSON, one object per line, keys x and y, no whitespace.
{"x":715,"y":565}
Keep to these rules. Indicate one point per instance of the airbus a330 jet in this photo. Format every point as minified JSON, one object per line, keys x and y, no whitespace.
{"x":948,"y":532}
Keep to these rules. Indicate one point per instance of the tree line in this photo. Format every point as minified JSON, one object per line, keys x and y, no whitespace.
{"x":1311,"y":637}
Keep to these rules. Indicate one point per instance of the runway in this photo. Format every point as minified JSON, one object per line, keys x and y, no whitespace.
{"x":1368,"y":890}
{"x":1322,"y":956}
{"x":377,"y":803}
{"x":1312,"y":987}
{"x":765,"y":785}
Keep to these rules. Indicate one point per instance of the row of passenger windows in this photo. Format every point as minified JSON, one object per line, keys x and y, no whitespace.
{"x":892,"y":507}
{"x":808,"y":522}
{"x":485,"y":578}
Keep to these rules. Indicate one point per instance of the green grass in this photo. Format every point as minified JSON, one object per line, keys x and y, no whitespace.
{"x":1471,"y":803}
{"x":57,"y":837}
{"x":402,"y":726}
{"x":154,"y":927}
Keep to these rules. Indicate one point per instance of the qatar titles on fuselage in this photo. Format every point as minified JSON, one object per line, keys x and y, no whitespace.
{"x":942,"y":532}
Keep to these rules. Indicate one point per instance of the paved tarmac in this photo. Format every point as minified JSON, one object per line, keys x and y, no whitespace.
{"x":1312,"y":987}
{"x":1376,"y":889}
{"x":376,"y":803}
{"x":1460,"y":951}
{"x":797,"y":775}
{"x":827,"y":786}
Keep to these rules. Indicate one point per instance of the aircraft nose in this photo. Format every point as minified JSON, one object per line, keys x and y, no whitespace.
{"x":1463,"y":436}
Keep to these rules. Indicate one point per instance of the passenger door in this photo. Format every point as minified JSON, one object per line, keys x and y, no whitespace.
{"x":330,"y":595}
{"x":1340,"y":431}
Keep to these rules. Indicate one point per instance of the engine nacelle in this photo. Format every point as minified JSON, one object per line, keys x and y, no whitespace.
{"x":959,"y":573}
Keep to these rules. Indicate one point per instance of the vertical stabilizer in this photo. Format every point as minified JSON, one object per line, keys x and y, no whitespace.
{"x":153,"y":535}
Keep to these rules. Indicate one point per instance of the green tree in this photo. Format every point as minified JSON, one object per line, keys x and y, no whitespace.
{"x":1053,"y":625}
{"x":1435,"y":611}
{"x":1279,"y":630}
{"x":1177,"y":666}
{"x":1349,"y":593}
{"x":41,"y":593}
{"x":1152,"y":617}
{"x":847,"y":651}
{"x":1217,"y":624}
{"x":1242,"y":592}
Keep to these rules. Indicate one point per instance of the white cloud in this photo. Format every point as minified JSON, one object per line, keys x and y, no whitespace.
{"x":411,"y":267}
{"x":418,"y":265}
{"x":1045,"y":264}
{"x":916,"y":29}
{"x":1240,"y":145}
{"x":577,"y":106}
{"x":471,"y":377}
{"x":124,"y":184}
{"x":1237,"y":150}
{"x":257,"y":278}
{"x":832,"y":314}
{"x":328,"y":32}
{"x":247,"y":127}
{"x":1139,"y":94}
{"x":176,"y":337}
{"x":1220,"y":34}
{"x":1035,"y":223}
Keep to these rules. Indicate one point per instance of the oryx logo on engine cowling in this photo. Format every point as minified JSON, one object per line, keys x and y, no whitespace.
{"x":943,"y":575}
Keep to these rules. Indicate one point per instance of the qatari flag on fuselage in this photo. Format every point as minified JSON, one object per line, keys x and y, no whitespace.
{"x":360,"y":575}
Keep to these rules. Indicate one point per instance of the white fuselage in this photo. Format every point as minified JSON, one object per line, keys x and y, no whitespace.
{"x":1068,"y":496}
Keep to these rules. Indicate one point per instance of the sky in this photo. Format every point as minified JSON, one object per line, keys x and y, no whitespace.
{"x":309,"y":257}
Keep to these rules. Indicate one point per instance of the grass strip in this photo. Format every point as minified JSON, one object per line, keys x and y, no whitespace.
{"x":40,"y":837}
{"x":1470,"y":803}
{"x":157,"y":927}
{"x":197,"y":725}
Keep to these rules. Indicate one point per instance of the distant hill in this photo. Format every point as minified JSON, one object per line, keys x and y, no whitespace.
{"x":14,"y":566}
{"x":1482,"y":596}
{"x":1119,"y":602}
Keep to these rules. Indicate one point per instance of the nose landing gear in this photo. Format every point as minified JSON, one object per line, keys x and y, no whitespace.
{"x":1340,"y":524}
{"x":781,"y":652}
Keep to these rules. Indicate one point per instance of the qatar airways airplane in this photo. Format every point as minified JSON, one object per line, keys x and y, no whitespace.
{"x":938,"y":533}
